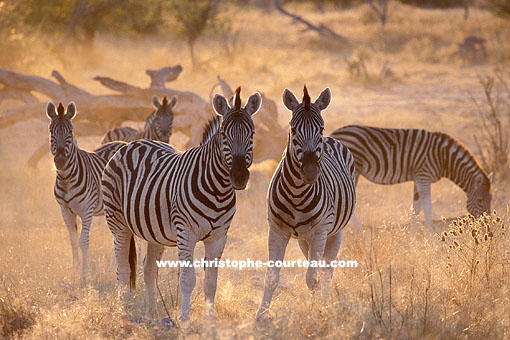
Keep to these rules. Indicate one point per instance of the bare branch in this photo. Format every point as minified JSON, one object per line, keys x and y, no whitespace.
{"x":322,"y":29}
{"x":381,"y":9}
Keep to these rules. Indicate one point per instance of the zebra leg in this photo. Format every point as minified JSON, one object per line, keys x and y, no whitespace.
{"x":317,"y":244}
{"x":122,"y":243}
{"x":277,"y":243}
{"x":330,"y":252}
{"x":86,"y":221}
{"x":140,"y":251}
{"x":213,"y":250}
{"x":185,"y":249}
{"x":416,"y":200}
{"x":72,"y":228}
{"x":354,"y":218}
{"x":423,"y":186}
{"x":303,"y":244}
{"x":150,"y":274}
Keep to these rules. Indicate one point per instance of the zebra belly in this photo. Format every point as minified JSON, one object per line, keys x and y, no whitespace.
{"x":77,"y":205}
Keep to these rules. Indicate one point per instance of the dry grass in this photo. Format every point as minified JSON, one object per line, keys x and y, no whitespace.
{"x":409,"y":282}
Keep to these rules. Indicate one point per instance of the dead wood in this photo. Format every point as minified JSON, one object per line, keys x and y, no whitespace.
{"x":323,"y":30}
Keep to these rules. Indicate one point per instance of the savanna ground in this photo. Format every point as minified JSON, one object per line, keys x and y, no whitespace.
{"x":409,"y":284}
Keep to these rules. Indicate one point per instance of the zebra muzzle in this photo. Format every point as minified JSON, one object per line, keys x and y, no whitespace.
{"x":309,"y":168}
{"x":60,"y":161}
{"x":239,"y":176}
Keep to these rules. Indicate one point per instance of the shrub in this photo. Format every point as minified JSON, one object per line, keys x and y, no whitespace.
{"x":500,"y":7}
{"x":494,"y":148}
{"x":15,"y":314}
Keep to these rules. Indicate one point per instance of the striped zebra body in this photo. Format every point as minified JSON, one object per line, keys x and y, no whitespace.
{"x":158,"y":126}
{"x":389,"y":156}
{"x":78,"y":182}
{"x":311,"y":196}
{"x":172,"y":198}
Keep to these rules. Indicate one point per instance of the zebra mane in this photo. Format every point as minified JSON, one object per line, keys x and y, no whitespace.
{"x":60,"y":110}
{"x":210,"y":129}
{"x":306,"y":98}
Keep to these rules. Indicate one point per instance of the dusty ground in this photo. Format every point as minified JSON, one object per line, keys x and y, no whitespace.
{"x":409,"y":283}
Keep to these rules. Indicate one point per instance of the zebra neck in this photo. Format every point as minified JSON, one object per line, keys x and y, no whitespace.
{"x":290,"y":173}
{"x":69,"y":172}
{"x":214,"y":161}
{"x":462,"y":169}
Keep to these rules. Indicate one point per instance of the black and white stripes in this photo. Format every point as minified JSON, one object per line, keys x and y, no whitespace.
{"x":311,"y":196}
{"x":78,"y":182}
{"x":158,"y":125}
{"x":171,"y":198}
{"x":389,"y":156}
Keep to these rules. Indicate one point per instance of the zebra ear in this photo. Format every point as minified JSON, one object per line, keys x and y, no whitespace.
{"x":156,"y":103}
{"x":50,"y":110}
{"x":324,"y":99}
{"x":172,"y":103}
{"x":289,"y":100}
{"x":220,"y":105}
{"x":491,"y":177}
{"x":71,"y":111}
{"x":254,"y":103}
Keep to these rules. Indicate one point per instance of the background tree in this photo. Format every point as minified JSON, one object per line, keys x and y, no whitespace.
{"x":194,"y":18}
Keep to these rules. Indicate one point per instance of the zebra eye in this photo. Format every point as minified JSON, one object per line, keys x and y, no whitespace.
{"x":293,"y":131}
{"x":322,"y":130}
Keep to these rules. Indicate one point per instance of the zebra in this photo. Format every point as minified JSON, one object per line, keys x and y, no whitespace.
{"x":158,"y":125}
{"x":311,"y":196}
{"x":175,"y":199}
{"x":78,"y":181}
{"x":389,"y":156}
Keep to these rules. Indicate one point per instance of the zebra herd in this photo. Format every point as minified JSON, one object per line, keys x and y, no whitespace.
{"x":149,"y":189}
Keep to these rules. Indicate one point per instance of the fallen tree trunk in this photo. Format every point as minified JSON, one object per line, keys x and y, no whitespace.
{"x":102,"y":112}
{"x":99,"y":113}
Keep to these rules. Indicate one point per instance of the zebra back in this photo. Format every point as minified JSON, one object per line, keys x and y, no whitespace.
{"x":107,"y":150}
{"x":389,"y":156}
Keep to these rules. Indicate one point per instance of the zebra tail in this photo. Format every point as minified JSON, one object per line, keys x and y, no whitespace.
{"x":132,"y":262}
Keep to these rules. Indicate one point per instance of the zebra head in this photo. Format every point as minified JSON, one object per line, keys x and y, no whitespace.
{"x":237,"y":131}
{"x":479,"y":197}
{"x":61,"y":132}
{"x":306,"y":128}
{"x":164,"y":118}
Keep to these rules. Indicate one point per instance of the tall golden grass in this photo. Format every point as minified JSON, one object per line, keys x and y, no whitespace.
{"x":412,"y":282}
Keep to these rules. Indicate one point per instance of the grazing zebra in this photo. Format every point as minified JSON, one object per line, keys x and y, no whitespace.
{"x":389,"y":156}
{"x":78,"y":182}
{"x":171,"y":198}
{"x":311,"y":196}
{"x":158,"y":125}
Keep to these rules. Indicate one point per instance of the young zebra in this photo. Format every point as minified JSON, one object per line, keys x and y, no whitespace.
{"x":78,"y":182}
{"x":389,"y":156}
{"x":169,"y":198}
{"x":311,"y":196}
{"x":158,"y":125}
